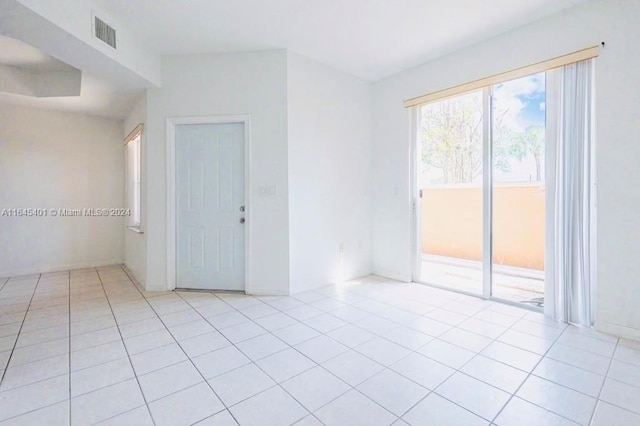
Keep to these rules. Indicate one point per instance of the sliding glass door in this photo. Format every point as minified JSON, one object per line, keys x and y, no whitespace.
{"x":518,"y":192}
{"x":450,"y":181}
{"x":480,"y":191}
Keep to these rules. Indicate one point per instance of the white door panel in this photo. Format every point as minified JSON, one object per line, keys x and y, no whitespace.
{"x":209,"y":196}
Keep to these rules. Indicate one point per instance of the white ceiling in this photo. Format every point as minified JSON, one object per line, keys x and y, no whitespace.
{"x":371,"y":39}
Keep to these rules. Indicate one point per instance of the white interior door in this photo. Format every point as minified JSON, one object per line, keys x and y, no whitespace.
{"x":210,"y":239}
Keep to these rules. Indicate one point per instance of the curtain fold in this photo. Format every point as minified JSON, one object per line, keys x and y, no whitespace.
{"x":573,"y":199}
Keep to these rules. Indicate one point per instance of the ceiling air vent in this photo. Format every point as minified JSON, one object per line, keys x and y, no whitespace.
{"x":104,"y":32}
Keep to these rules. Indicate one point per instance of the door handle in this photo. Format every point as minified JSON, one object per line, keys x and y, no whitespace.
{"x":242,"y":220}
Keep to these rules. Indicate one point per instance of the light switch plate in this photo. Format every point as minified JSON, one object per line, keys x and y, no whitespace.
{"x":267,"y":191}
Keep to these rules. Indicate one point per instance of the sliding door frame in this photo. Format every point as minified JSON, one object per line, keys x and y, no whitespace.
{"x":487,"y":192}
{"x":416,"y":195}
{"x":487,"y":197}
{"x":487,"y":204}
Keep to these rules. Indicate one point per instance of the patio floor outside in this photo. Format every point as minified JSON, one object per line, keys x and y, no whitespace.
{"x":510,"y":283}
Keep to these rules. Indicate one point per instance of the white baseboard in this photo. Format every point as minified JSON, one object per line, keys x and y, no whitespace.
{"x":261,"y":292}
{"x":354,"y":276}
{"x":133,"y":276}
{"x":155,"y":287}
{"x":407,"y":278}
{"x":58,"y":268}
{"x":618,"y":330}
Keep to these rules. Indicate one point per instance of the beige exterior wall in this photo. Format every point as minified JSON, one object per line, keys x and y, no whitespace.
{"x":452,"y":224}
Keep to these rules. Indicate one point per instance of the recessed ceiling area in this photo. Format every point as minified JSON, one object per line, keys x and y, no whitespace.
{"x":21,"y":55}
{"x":97,"y":97}
{"x":32,"y":78}
{"x":27,"y":71}
{"x":371,"y":39}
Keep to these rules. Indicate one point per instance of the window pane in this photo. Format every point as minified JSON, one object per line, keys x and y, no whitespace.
{"x":519,"y":189}
{"x":136,"y":201}
{"x":133,"y":180}
{"x":450,"y":177}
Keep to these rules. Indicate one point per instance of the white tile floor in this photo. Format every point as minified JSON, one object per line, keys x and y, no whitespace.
{"x":87,"y":346}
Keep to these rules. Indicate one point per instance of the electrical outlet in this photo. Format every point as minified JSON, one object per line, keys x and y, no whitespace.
{"x":341,"y":248}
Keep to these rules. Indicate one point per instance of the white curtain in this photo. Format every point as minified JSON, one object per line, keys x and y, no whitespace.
{"x":570,"y":125}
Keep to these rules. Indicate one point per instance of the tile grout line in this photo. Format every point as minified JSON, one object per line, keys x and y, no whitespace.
{"x":326,"y":335}
{"x":6,"y":280}
{"x":58,"y":376}
{"x":604,"y":381}
{"x":288,"y":347}
{"x":542,"y":357}
{"x":168,"y":344}
{"x":370,"y":314}
{"x":24,"y":318}
{"x":412,"y":351}
{"x":276,"y":384}
{"x":183,"y":351}
{"x":35,"y":409}
{"x":459,"y":370}
{"x":135,"y":374}
{"x":69,"y":374}
{"x":254,"y":362}
{"x":364,"y":298}
{"x":321,"y":333}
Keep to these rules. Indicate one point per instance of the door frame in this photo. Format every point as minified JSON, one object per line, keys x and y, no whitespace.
{"x":171,"y":237}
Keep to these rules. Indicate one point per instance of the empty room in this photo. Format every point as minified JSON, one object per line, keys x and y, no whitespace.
{"x":365,"y":212}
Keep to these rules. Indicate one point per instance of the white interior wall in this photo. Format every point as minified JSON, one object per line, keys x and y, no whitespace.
{"x":56,"y":160}
{"x":618,"y":89}
{"x":226,"y":84}
{"x":256,"y":84}
{"x":329,"y":140}
{"x":135,"y":244}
